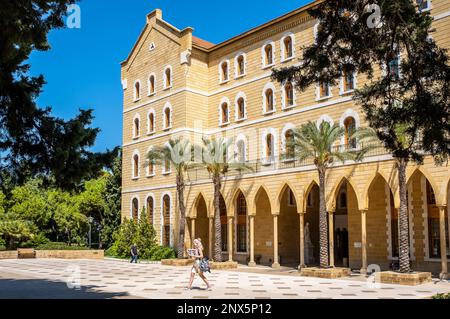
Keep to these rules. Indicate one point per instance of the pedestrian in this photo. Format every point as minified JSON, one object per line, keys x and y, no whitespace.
{"x":197,"y":254}
{"x":134,"y":254}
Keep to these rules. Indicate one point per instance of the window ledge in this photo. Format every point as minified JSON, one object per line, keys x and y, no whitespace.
{"x":241,"y":120}
{"x":269,"y":112}
{"x":151,"y":176}
{"x":288,"y":59}
{"x":237,"y":77}
{"x":151,"y":94}
{"x":167,"y":129}
{"x":264,"y":67}
{"x":136,"y":100}
{"x":290,"y":107}
{"x":224,"y":124}
{"x":347,"y":92}
{"x":224,"y":82}
{"x":167,"y":173}
{"x":135,"y":178}
{"x":151,"y":133}
{"x":167,"y":88}
{"x":288,"y":160}
{"x":136,"y":137}
{"x":323,"y":98}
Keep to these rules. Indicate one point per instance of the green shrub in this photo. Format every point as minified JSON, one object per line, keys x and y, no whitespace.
{"x":36,"y":241}
{"x":59,"y":246}
{"x":160,"y":252}
{"x":442,"y":296}
{"x":141,"y":233}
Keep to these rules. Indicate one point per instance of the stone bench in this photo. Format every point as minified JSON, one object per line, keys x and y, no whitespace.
{"x":26,"y":253}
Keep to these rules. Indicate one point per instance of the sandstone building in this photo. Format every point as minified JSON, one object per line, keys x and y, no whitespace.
{"x":177,"y":84}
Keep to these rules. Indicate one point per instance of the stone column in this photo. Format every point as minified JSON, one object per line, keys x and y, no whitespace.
{"x":276,"y":262}
{"x":331,"y":237}
{"x":364,"y":241}
{"x":444,"y":272}
{"x":192,"y":231}
{"x":211,"y":235}
{"x":230,"y":239}
{"x":252,"y":242}
{"x":302,"y":241}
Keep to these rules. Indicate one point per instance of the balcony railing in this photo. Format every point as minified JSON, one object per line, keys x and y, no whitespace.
{"x":281,"y":163}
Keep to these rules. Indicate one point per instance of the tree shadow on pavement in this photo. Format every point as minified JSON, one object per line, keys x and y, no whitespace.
{"x":48,"y":289}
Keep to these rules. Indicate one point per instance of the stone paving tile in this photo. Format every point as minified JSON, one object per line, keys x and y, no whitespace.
{"x":156,"y":281}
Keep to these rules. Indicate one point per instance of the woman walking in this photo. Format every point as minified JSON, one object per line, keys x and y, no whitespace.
{"x":197,"y":253}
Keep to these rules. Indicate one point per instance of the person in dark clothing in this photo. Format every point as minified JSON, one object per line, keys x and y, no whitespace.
{"x":134,"y":254}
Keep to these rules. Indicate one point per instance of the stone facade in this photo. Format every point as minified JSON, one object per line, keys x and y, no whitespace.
{"x":174,"y":85}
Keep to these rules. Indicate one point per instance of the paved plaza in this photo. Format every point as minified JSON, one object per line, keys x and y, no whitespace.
{"x":106,"y":279}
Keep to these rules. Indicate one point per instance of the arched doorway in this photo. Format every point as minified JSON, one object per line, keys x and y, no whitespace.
{"x":263,"y":229}
{"x":166,"y":221}
{"x":241,"y":230}
{"x":311,"y":232}
{"x":289,"y":229}
{"x":202,"y":223}
{"x":341,"y":229}
{"x":224,"y":225}
{"x":347,"y":213}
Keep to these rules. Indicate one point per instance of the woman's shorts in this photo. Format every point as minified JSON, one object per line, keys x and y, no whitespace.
{"x":196,"y":268}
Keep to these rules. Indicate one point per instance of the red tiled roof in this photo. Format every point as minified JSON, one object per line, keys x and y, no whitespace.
{"x":202,"y":43}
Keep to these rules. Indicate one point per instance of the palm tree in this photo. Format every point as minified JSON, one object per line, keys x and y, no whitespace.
{"x":177,"y":153}
{"x":217,"y":161}
{"x":311,"y":141}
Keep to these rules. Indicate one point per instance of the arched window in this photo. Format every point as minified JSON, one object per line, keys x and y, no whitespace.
{"x":289,"y":99}
{"x":137,"y":90}
{"x":269,"y":101}
{"x":241,"y":152}
{"x":137,"y":127}
{"x":241,"y":113}
{"x":136,"y":166}
{"x":224,"y":71}
{"x":166,"y":221}
{"x":270,"y":146}
{"x":168,"y":77}
{"x":151,"y":122}
{"x":241,"y":224}
{"x":135,"y":209}
{"x":348,"y":81}
{"x":240,"y":65}
{"x":150,"y":209}
{"x":324,"y":90}
{"x":167,"y":117}
{"x":151,"y":85}
{"x":288,"y":53}
{"x":224,"y":113}
{"x":350,"y":128}
{"x":167,"y":167}
{"x":268,"y":59}
{"x":287,"y":47}
{"x":224,"y":224}
{"x":151,"y":169}
{"x":290,"y":147}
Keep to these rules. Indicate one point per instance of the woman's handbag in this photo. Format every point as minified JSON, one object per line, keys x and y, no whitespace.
{"x":204,"y":265}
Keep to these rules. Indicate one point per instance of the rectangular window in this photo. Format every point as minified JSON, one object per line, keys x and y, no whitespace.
{"x":424,"y":5}
{"x":324,"y":90}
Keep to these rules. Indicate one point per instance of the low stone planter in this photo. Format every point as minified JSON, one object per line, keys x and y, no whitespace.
{"x":58,"y":254}
{"x":223,"y":265}
{"x":177,"y":262}
{"x":327,"y":273}
{"x":11,"y":254}
{"x":411,"y":279}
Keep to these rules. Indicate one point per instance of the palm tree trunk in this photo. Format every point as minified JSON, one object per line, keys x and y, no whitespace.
{"x":403,"y":218}
{"x":323,"y":223}
{"x":180,"y":192}
{"x":217,"y":222}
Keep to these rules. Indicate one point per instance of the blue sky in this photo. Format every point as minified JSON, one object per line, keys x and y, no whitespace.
{"x":82,"y":69}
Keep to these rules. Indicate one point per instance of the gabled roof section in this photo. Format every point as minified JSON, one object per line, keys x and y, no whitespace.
{"x":152,"y":19}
